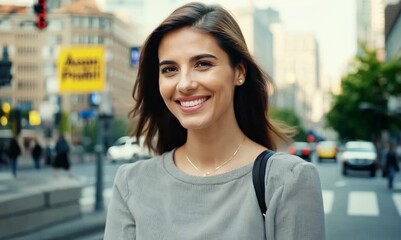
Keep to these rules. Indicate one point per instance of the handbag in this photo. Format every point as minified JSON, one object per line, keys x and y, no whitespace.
{"x":258,"y":178}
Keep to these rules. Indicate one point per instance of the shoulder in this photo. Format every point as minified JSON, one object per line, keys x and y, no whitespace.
{"x":131,"y":173}
{"x":284,"y":169}
{"x":141,"y":168}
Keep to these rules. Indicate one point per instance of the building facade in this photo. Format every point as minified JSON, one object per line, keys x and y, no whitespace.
{"x":34,"y":54}
{"x":393,"y":30}
{"x":370,"y":24}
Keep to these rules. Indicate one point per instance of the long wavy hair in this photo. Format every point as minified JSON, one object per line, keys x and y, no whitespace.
{"x":250,"y":99}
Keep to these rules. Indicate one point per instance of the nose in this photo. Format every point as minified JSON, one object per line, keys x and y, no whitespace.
{"x":186,"y":83}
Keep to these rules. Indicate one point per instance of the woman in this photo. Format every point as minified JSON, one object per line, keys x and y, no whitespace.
{"x":199,"y":92}
{"x":62,"y":160}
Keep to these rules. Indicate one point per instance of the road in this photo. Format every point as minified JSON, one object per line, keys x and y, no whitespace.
{"x":356,"y":206}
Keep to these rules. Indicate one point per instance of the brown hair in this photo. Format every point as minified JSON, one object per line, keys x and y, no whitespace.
{"x":250,"y":99}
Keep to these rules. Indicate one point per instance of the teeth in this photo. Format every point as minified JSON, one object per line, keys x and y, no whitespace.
{"x":192,"y":103}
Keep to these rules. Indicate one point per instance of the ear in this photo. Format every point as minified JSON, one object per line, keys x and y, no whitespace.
{"x":240,"y":74}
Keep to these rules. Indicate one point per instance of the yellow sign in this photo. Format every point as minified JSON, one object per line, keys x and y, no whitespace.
{"x":81,"y":69}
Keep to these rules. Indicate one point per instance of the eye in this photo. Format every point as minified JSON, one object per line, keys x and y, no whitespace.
{"x":168,"y":70}
{"x":203,"y":65}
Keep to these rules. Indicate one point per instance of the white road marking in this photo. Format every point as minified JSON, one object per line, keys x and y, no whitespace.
{"x":397,"y":202}
{"x":328,"y":198}
{"x":362,"y":203}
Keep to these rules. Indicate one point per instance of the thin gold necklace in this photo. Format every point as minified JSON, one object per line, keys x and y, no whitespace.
{"x":208,"y":173}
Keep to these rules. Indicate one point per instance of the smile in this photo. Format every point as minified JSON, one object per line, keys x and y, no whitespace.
{"x":193,"y":103}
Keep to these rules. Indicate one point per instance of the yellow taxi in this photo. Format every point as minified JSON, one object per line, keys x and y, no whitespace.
{"x":326,"y":150}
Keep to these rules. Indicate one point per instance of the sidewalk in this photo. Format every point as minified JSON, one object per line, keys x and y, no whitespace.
{"x":24,"y":210}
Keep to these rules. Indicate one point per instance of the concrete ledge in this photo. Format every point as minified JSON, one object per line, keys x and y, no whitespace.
{"x":59,"y":196}
{"x":31,"y":204}
{"x":20,"y":202}
{"x":33,"y":220}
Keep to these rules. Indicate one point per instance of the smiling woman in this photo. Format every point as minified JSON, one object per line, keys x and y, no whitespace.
{"x":202,"y":96}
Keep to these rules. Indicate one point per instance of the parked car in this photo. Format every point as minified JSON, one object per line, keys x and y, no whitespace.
{"x":326,"y":150}
{"x":359,"y":155}
{"x":300,"y":149}
{"x":127,"y":149}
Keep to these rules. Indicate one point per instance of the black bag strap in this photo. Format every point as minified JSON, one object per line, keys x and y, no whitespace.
{"x":258,"y":177}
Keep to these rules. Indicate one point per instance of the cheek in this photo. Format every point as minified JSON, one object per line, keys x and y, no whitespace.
{"x":166,"y":90}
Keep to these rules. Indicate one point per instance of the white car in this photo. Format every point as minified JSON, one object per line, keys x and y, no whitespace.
{"x":127,"y":149}
{"x":359,"y":155}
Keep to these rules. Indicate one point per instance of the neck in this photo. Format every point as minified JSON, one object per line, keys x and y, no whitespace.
{"x":208,"y":151}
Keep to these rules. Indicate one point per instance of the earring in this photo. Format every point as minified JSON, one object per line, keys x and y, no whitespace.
{"x":241,"y":81}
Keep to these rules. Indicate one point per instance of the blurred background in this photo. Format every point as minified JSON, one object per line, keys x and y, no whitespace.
{"x":67,"y":67}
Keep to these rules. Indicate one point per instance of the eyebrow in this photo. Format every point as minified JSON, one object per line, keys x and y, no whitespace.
{"x":194,"y":58}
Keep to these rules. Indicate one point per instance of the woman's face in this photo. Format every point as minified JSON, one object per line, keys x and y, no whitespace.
{"x":196,"y":79}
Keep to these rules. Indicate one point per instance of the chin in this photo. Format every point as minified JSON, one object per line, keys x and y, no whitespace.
{"x":194,"y":125}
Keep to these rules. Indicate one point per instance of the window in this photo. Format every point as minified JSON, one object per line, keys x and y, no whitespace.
{"x":54,"y":40}
{"x":55,"y":25}
{"x":5,"y":25}
{"x":27,"y":68}
{"x":49,"y":68}
{"x":75,"y":21}
{"x":47,"y":52}
{"x":84,"y":22}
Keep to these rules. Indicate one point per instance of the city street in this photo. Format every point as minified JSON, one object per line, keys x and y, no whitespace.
{"x":356,"y":206}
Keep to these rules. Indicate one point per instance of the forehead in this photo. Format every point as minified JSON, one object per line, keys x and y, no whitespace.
{"x":188,"y":41}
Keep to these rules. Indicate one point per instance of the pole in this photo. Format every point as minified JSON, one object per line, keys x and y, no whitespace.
{"x":99,"y":206}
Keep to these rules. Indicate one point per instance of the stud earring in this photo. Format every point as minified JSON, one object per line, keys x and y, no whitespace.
{"x":241,"y":81}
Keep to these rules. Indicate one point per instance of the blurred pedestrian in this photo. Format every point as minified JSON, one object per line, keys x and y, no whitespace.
{"x":48,"y":155}
{"x":62,"y":159}
{"x":3,"y":155}
{"x":14,"y":150}
{"x":36,"y":153}
{"x":391,"y":165}
{"x":201,"y":95}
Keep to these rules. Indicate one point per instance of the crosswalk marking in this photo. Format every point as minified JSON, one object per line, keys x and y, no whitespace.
{"x":362,"y":203}
{"x":397,"y":202}
{"x":328,"y":198}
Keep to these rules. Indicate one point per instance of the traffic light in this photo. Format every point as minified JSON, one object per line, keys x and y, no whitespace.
{"x":4,"y":114}
{"x":5,"y":69}
{"x":40,"y":10}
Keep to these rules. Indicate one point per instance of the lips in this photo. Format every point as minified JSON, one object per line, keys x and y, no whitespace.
{"x":192,"y":103}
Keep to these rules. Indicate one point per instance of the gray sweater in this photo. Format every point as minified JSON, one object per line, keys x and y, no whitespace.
{"x":152,"y":199}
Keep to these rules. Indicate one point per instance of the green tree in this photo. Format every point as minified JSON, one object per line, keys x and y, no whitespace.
{"x":89,"y":132}
{"x":289,"y":118}
{"x":360,"y":111}
{"x":64,"y":125}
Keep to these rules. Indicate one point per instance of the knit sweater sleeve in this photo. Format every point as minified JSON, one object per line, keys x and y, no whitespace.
{"x":120,"y":224}
{"x":294,"y":200}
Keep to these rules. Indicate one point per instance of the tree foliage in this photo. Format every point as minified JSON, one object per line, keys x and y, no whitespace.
{"x":360,"y":111}
{"x":290,"y":119}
